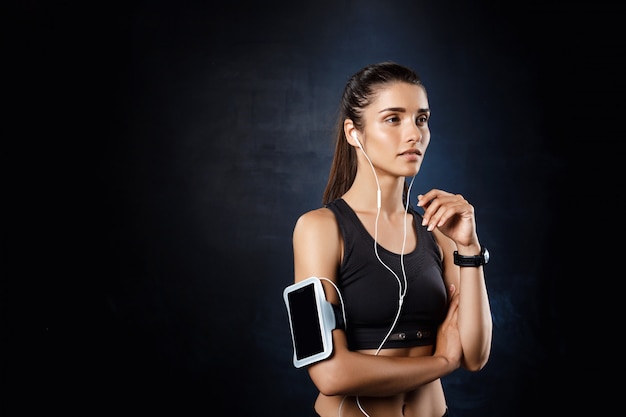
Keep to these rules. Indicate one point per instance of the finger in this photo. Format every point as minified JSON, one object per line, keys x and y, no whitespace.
{"x":455,"y":316}
{"x":431,"y":208}
{"x":443,"y":214}
{"x":439,"y":210}
{"x":447,"y":209}
{"x":453,"y":306}
{"x":454,"y":298}
{"x":451,"y":289}
{"x":423,"y":199}
{"x":426,"y":198}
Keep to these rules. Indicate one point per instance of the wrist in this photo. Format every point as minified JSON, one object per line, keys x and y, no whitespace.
{"x":469,"y":250}
{"x":475,"y":260}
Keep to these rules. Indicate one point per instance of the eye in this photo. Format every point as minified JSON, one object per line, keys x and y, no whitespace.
{"x":422,"y":119}
{"x":392,"y":119}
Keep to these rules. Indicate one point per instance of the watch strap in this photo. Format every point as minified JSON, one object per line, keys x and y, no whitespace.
{"x":475,"y":260}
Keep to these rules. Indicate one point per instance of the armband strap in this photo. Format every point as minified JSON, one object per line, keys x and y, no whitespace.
{"x":339,"y":322}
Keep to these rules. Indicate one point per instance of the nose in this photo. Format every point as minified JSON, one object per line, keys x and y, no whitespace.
{"x":414,"y":135}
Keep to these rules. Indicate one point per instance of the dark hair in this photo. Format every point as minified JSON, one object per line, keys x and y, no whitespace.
{"x":359,"y":92}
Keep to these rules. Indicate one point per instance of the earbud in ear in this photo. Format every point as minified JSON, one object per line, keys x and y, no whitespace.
{"x":357,"y":140}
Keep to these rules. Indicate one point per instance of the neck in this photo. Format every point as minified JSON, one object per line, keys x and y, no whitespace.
{"x":363,"y":194}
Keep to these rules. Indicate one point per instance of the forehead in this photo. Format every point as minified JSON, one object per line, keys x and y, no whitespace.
{"x":400,"y":94}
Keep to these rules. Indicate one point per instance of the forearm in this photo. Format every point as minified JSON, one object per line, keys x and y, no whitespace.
{"x":475,"y":322}
{"x":376,"y":376}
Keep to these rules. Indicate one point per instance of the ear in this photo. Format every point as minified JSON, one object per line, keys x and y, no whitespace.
{"x":350,"y":131}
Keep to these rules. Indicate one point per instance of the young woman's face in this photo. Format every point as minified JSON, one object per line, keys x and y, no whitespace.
{"x":396,"y":132}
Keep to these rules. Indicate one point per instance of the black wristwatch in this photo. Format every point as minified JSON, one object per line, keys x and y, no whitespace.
{"x":476,"y":260}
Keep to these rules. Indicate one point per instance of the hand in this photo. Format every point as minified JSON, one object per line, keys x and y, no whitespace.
{"x":452,"y":214}
{"x":448,"y":343}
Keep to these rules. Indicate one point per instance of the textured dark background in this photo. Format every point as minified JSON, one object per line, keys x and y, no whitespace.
{"x":159,"y":153}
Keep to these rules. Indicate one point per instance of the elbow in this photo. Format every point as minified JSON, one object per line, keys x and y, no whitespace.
{"x":478,"y":350}
{"x":478,"y":361}
{"x":330,"y":377}
{"x":477,"y":365}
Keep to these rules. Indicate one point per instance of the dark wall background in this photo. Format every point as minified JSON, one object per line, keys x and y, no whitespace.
{"x":161,"y":152}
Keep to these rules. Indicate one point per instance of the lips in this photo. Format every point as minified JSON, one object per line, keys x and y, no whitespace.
{"x":410,"y":152}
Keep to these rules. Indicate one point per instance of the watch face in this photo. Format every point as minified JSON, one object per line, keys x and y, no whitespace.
{"x":486,"y":256}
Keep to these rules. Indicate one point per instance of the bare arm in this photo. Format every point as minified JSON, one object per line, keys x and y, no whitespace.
{"x":453,"y":224}
{"x":317,"y":252}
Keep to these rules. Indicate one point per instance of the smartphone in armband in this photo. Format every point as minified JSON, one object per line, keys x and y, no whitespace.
{"x":311,"y":320}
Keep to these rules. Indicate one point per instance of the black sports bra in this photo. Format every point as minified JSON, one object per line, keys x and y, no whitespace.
{"x":371,"y":292}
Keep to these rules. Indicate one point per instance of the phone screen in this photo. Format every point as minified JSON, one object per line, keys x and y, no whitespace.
{"x":305,"y":322}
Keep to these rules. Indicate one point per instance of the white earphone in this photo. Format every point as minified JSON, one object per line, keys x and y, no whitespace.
{"x":402,"y":290}
{"x":357,"y":141}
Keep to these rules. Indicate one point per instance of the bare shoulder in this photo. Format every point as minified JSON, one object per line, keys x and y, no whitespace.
{"x":316,"y":244}
{"x":320,"y":220}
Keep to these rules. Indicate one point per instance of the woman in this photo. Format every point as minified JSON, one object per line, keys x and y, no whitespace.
{"x":413,"y":314}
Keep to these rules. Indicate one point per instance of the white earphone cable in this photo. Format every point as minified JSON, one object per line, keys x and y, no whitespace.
{"x":402,"y":289}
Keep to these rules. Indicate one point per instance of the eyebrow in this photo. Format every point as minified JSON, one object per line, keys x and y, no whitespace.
{"x":402,"y":110}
